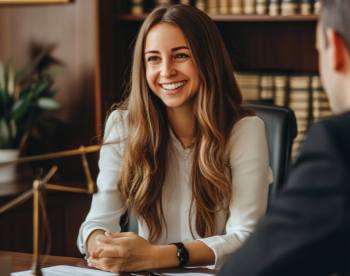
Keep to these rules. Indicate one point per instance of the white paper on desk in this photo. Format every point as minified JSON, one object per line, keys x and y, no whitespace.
{"x":185,"y":272}
{"x":189,"y":273}
{"x":65,"y":270}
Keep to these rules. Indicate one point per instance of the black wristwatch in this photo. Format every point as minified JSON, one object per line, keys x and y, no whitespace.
{"x":181,"y":253}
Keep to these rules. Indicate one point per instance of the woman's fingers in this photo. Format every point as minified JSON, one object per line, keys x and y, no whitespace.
{"x":113,"y":251}
{"x":96,"y":253}
{"x":117,"y":252}
{"x":119,"y":234}
{"x":111,"y":248}
{"x":114,"y":265}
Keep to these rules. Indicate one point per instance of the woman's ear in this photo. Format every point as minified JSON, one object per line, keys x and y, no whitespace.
{"x":337,"y":49}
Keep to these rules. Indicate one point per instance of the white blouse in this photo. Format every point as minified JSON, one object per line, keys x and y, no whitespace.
{"x":251,"y":176}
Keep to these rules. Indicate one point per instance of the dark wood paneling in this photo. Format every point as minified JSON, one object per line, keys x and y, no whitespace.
{"x":72,"y":28}
{"x":275,"y":46}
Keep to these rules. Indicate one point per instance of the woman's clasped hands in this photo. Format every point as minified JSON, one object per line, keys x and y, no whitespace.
{"x":121,"y":252}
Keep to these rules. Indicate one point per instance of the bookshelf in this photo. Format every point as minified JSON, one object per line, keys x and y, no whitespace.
{"x":255,"y":42}
{"x":233,"y":18}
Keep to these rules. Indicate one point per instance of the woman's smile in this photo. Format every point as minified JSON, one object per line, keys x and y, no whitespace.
{"x":172,"y":88}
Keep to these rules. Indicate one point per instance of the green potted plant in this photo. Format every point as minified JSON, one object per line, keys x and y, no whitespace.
{"x":25,"y":95}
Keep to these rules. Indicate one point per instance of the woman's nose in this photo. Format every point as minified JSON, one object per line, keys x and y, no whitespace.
{"x":167,"y":69}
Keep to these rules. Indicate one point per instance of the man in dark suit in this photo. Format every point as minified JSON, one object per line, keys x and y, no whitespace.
{"x":307,"y":230}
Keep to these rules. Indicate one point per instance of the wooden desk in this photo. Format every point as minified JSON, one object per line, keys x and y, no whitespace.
{"x":23,"y":261}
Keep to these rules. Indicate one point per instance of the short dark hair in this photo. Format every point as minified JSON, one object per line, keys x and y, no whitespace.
{"x":335,"y":14}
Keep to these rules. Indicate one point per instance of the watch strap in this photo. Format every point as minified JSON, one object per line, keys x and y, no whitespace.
{"x":181,"y":253}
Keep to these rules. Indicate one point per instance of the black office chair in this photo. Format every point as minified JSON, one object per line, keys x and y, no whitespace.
{"x":281,"y":129}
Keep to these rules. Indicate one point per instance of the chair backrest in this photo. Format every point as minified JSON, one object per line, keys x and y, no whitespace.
{"x":281,"y":129}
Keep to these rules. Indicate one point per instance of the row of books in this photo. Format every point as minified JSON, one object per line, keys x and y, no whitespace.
{"x":303,"y":93}
{"x":271,"y":7}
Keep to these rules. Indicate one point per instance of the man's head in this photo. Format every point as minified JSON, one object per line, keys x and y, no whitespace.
{"x":333,"y":44}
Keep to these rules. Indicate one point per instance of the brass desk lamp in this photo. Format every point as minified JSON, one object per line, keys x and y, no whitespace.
{"x":39,"y":185}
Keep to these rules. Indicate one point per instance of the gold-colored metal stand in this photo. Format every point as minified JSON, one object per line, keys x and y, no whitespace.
{"x":41,"y":185}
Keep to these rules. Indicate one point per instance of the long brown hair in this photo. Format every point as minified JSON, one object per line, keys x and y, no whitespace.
{"x":217,"y":106}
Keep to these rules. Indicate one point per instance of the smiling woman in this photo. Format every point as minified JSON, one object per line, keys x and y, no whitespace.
{"x":181,"y":153}
{"x":170,"y":70}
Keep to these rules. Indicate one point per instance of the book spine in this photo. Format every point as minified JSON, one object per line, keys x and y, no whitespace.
{"x":249,"y":85}
{"x":320,"y":103}
{"x":261,"y":7}
{"x":236,"y":6}
{"x":317,"y":6}
{"x":212,"y":6}
{"x":289,"y":7}
{"x":274,"y":7}
{"x":266,"y":89}
{"x":163,"y":2}
{"x":137,"y":7}
{"x":299,"y":99}
{"x":249,"y":6}
{"x":281,"y":85}
{"x":306,"y":7}
{"x":200,"y":4}
{"x":224,"y":6}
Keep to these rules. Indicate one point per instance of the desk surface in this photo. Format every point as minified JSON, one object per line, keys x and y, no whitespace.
{"x":23,"y":261}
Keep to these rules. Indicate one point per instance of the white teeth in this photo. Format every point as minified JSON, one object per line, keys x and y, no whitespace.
{"x":172,"y":86}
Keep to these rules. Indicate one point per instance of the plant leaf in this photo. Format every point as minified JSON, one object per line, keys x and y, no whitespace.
{"x":20,"y":108}
{"x":28,"y":70}
{"x":13,"y":128}
{"x":48,"y":104}
{"x":2,"y":78}
{"x":4,"y":134}
{"x":11,"y":81}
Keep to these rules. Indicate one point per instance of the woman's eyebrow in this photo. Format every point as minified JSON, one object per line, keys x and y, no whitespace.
{"x":173,"y":50}
{"x":179,"y":48}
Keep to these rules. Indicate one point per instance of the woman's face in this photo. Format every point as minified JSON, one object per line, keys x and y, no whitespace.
{"x":170,"y":70}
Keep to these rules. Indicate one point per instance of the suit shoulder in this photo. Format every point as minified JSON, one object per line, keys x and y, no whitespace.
{"x":331,"y":134}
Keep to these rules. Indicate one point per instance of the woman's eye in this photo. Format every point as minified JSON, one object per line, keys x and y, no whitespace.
{"x":181,"y":55}
{"x":152,"y":58}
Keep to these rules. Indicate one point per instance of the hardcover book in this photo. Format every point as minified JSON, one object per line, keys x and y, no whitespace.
{"x":200,"y":4}
{"x":249,"y":85}
{"x":267,"y":88}
{"x":299,"y":99}
{"x":289,"y":7}
{"x":137,"y":7}
{"x":274,"y":7}
{"x":306,"y":7}
{"x":261,"y":6}
{"x":320,"y":103}
{"x":212,"y":6}
{"x":224,"y":6}
{"x":281,"y":90}
{"x":236,"y":6}
{"x":249,"y":6}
